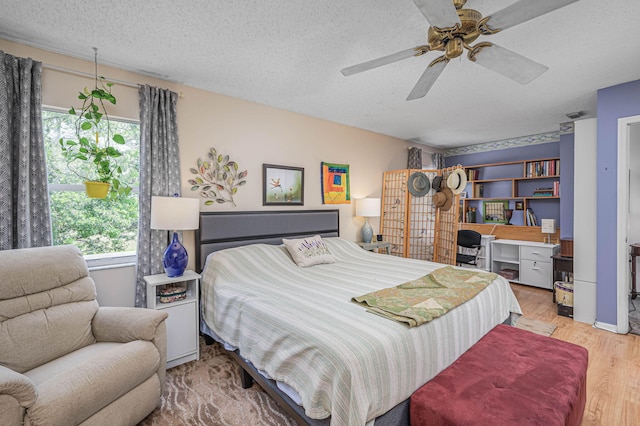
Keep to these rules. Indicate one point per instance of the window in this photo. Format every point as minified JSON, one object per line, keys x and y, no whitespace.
{"x":96,"y":227}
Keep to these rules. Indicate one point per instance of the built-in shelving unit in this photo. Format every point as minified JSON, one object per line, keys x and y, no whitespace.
{"x":527,"y":185}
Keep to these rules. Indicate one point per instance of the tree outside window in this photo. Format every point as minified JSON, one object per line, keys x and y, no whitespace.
{"x":95,"y":226}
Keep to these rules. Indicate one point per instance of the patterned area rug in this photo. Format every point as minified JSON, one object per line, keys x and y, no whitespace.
{"x":535,"y":326}
{"x":208,"y":392}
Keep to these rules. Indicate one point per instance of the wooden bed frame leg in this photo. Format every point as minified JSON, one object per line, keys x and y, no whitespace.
{"x":245,"y":379}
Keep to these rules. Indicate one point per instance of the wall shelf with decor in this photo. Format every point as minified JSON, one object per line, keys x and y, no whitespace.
{"x":530,"y":188}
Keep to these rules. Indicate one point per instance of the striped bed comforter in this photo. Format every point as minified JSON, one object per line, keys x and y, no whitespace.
{"x":300,"y":326}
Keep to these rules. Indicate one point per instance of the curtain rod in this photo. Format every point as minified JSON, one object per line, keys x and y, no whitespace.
{"x":86,"y":74}
{"x":423,"y":150}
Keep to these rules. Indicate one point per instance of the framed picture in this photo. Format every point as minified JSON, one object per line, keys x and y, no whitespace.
{"x":519,"y":205}
{"x":494,"y":211}
{"x":282,"y":185}
{"x":335,"y":183}
{"x":463,"y":194}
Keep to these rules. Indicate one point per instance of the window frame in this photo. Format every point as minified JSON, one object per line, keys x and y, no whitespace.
{"x":101,"y":260}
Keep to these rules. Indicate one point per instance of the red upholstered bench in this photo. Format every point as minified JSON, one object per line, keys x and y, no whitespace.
{"x":510,"y":377}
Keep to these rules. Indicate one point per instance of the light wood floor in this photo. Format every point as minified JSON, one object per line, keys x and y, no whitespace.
{"x":613,"y":377}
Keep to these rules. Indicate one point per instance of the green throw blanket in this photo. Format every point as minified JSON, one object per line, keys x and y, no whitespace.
{"x":421,"y":300}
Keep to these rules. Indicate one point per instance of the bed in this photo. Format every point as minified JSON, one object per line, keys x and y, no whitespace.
{"x":297,"y":332}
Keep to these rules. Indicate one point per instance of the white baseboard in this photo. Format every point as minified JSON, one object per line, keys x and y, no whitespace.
{"x":606,"y":327}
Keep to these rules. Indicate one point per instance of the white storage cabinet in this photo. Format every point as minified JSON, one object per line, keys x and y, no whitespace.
{"x":531,"y":259}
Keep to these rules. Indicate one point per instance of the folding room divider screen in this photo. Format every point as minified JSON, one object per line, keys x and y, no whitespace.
{"x":413,"y":225}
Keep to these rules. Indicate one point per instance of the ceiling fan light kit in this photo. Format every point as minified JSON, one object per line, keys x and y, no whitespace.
{"x":454,"y":28}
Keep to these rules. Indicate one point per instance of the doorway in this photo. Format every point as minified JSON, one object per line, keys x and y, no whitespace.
{"x":628,"y":210}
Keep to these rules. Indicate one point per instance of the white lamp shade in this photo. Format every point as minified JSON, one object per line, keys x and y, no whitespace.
{"x":548,"y":226}
{"x":174,"y":213}
{"x":368,"y":207}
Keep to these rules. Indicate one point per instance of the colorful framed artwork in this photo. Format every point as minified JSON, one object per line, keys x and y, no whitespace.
{"x":335,"y":183}
{"x":519,"y":205}
{"x":282,"y":185}
{"x":494,"y":211}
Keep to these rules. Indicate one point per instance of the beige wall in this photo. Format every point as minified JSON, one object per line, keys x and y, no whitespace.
{"x":251,"y":134}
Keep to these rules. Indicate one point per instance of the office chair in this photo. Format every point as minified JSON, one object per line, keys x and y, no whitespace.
{"x":470,"y":240}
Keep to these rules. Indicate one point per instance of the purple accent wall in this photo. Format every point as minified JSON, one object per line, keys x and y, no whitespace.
{"x":614,"y":102}
{"x":548,"y":209}
{"x":566,"y":185}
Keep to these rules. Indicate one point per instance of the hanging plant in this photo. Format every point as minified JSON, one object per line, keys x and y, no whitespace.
{"x":92,"y":158}
{"x":217,"y":178}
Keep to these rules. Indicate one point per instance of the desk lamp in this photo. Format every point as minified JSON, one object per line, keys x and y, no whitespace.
{"x":548,"y":227}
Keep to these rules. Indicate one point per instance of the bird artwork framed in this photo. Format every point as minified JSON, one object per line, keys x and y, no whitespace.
{"x":282,"y":185}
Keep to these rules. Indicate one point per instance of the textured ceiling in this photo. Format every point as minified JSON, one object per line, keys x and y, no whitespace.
{"x":288,"y":54}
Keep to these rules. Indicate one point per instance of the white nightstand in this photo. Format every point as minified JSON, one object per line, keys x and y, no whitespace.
{"x":182,"y":324}
{"x":375,"y":245}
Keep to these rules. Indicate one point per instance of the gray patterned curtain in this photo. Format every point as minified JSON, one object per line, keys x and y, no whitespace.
{"x":25,"y":219}
{"x":159,"y":175}
{"x":438,"y":160}
{"x":415,"y":158}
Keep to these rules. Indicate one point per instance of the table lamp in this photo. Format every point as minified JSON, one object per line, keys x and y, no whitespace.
{"x":367,"y":207}
{"x":175,"y":214}
{"x":548,"y":227}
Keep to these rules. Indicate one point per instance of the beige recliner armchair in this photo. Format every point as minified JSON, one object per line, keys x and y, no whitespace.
{"x":63,"y":359}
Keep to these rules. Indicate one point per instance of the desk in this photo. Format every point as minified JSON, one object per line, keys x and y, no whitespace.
{"x":635,"y":251}
{"x":375,"y":245}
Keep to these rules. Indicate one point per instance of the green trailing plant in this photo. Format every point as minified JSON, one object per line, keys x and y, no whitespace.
{"x":217,"y":178}
{"x":90,"y":157}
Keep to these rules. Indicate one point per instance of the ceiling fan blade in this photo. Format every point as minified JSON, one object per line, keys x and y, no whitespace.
{"x":522,"y":11}
{"x":439,"y":13}
{"x":508,"y":63}
{"x":385,"y":60}
{"x":429,"y":76}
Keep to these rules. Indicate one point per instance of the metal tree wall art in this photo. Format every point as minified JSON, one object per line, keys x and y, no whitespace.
{"x":217,"y":178}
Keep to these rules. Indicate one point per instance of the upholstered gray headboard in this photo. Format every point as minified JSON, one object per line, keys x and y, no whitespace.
{"x":221,"y":230}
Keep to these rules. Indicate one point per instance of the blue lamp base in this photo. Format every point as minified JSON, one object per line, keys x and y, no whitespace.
{"x":175,"y":258}
{"x":367,"y":232}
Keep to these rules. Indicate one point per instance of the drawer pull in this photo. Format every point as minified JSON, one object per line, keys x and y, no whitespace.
{"x":535,"y":252}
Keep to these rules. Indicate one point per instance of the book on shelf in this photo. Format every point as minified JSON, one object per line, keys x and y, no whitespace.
{"x":543,"y":168}
{"x":531,"y":218}
{"x":472,"y":174}
{"x":543,"y":192}
{"x":479,"y":191}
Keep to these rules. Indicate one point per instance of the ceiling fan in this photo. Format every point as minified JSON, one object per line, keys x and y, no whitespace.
{"x":454,"y":28}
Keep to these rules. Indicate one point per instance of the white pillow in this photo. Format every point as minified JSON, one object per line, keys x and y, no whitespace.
{"x":309,"y":251}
